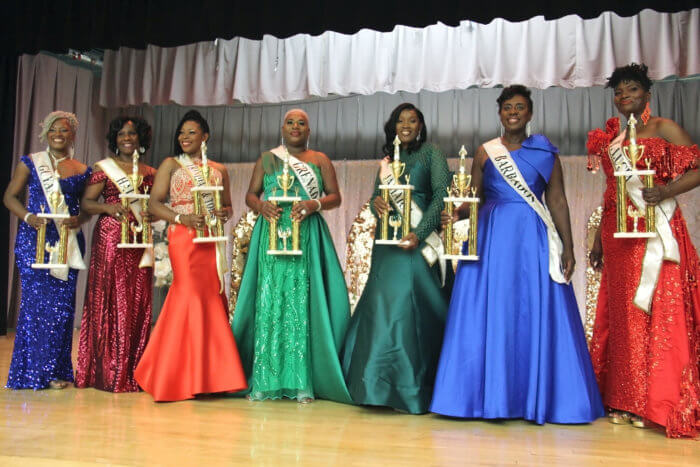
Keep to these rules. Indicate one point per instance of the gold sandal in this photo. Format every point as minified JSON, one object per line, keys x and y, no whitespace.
{"x":637,"y":421}
{"x":58,"y":384}
{"x":618,"y":417}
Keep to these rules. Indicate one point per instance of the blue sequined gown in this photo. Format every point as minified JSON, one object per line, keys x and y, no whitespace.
{"x":42,"y":351}
{"x":514,"y":345}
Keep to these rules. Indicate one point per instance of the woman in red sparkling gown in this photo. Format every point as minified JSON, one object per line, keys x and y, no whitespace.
{"x":646,"y":337}
{"x":117,"y":312}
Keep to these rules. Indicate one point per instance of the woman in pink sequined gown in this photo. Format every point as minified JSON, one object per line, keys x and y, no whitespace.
{"x":117,"y":313}
{"x":646,"y":337}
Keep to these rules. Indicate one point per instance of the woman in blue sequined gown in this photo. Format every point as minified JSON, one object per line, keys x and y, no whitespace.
{"x":42,"y":351}
{"x":514,"y":345}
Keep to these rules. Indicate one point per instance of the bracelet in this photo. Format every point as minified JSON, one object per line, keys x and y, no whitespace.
{"x":320,"y":206}
{"x":177,"y":218}
{"x":26,"y":216}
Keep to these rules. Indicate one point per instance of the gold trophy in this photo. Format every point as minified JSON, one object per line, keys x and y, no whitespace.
{"x":285,"y":182}
{"x":634,"y":152}
{"x":57,"y":252}
{"x":213,"y":225}
{"x":397,"y":170}
{"x":143,"y":228}
{"x":465,"y":194}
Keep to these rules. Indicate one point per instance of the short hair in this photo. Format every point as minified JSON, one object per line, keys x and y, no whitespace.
{"x":57,"y":115}
{"x":512,"y":91}
{"x":190,"y":116}
{"x":143,"y":129}
{"x":633,"y":72}
{"x":390,"y":129}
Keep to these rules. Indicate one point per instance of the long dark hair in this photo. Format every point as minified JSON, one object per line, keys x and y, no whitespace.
{"x":390,"y":129}
{"x":143,"y":129}
{"x":190,"y":116}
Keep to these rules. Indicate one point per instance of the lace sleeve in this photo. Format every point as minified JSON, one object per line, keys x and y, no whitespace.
{"x":439,"y":179}
{"x":374,"y":195}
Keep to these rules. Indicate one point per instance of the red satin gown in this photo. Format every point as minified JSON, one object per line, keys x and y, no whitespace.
{"x":117,"y":311}
{"x":191,"y":350}
{"x":648,"y":364}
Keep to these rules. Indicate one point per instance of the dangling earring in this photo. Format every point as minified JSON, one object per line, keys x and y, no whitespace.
{"x":646,"y":115}
{"x":116,"y":152}
{"x":528,"y":129}
{"x":502,"y":129}
{"x":204,"y":149}
{"x":71,"y":152}
{"x":142,"y":150}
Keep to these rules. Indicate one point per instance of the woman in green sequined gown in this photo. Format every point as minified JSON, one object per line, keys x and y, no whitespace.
{"x":292,"y":311}
{"x":393,"y":343}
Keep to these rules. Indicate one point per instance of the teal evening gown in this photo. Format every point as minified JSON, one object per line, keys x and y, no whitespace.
{"x":292,"y":311}
{"x":392,"y":348}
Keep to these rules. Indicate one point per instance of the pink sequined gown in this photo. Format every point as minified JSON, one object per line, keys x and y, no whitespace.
{"x":117,"y":312}
{"x":648,"y":364}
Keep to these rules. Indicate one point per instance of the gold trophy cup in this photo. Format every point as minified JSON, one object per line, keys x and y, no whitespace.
{"x":57,"y":252}
{"x":465,"y":194}
{"x":285,"y":182}
{"x":634,"y":152}
{"x":213,"y":225}
{"x":139,"y":227}
{"x":397,"y":170}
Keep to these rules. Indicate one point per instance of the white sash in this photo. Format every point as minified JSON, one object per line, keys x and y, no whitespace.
{"x":305,"y":174}
{"x":506,"y":166}
{"x":208,"y":198}
{"x":117,"y":175}
{"x":659,"y":248}
{"x":434,"y":248}
{"x":50,"y":184}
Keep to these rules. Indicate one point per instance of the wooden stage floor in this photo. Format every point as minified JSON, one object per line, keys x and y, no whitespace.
{"x":86,"y":426}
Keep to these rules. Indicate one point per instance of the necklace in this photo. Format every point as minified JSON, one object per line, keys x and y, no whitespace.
{"x":56,"y":161}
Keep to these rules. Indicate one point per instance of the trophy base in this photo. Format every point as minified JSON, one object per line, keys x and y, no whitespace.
{"x":459,"y":199}
{"x":284,"y":252}
{"x":396,"y":187}
{"x":284,"y":199}
{"x":387,"y":242}
{"x":134,"y":245}
{"x":134,"y":196}
{"x":210,"y":240}
{"x":49,"y":266}
{"x":48,"y":215}
{"x":207,"y":188}
{"x":461,"y":257}
{"x":631,"y":173}
{"x":634,"y":234}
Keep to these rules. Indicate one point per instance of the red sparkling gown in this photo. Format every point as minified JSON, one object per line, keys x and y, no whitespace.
{"x":117,"y":311}
{"x":648,"y":364}
{"x":192,"y":350}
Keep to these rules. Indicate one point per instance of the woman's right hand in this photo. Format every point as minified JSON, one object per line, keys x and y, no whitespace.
{"x":35,"y":221}
{"x":270,"y":211}
{"x":116,"y":211}
{"x":193,"y":221}
{"x":447,"y":219}
{"x":596,"y":255}
{"x":380,"y":206}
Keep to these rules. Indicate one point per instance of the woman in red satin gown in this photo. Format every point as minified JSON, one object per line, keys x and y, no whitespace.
{"x":117,"y":312}
{"x":192,"y":350}
{"x":646,"y":352}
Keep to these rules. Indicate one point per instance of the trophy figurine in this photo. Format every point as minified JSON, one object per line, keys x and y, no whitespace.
{"x":57,"y":252}
{"x":138,"y":227}
{"x":397,"y":170}
{"x":285,"y":182}
{"x":213,"y":225}
{"x":634,"y":152}
{"x":465,"y":194}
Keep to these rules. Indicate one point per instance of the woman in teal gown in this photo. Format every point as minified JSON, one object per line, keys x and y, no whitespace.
{"x":292,"y":311}
{"x":393,"y":344}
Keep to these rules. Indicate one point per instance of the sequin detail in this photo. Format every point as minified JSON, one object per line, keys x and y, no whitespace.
{"x":181,"y":185}
{"x":42,"y":347}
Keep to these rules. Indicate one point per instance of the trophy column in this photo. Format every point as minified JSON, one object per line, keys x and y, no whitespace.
{"x":138,"y":227}
{"x":58,"y":257}
{"x":402,"y":220}
{"x":462,"y":181}
{"x":285,"y":182}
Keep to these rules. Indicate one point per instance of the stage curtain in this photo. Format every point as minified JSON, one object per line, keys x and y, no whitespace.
{"x":568,"y":52}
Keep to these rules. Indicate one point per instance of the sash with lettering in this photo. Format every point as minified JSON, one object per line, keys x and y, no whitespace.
{"x":434,"y":248}
{"x":659,"y":248}
{"x":50,"y":184}
{"x":302,"y":171}
{"x":506,"y":166}
{"x":208,"y":198}
{"x":117,"y":175}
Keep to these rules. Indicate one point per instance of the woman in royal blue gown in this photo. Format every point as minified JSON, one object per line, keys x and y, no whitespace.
{"x":42,"y":352}
{"x":514,"y":345}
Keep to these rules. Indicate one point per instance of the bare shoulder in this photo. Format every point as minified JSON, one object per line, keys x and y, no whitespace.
{"x":77,"y":166}
{"x":218,"y":166}
{"x":671,"y":131}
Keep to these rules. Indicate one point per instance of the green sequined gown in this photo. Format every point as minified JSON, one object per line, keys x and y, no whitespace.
{"x":392,"y":347}
{"x":292,"y":311}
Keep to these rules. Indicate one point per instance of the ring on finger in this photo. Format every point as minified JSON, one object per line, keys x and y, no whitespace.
{"x":303,"y":212}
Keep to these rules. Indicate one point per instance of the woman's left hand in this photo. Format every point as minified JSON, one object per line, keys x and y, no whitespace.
{"x":303,"y":209}
{"x":567,"y":264}
{"x":654,"y":195}
{"x":222,"y":215}
{"x":409,"y":242}
{"x":72,"y":222}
